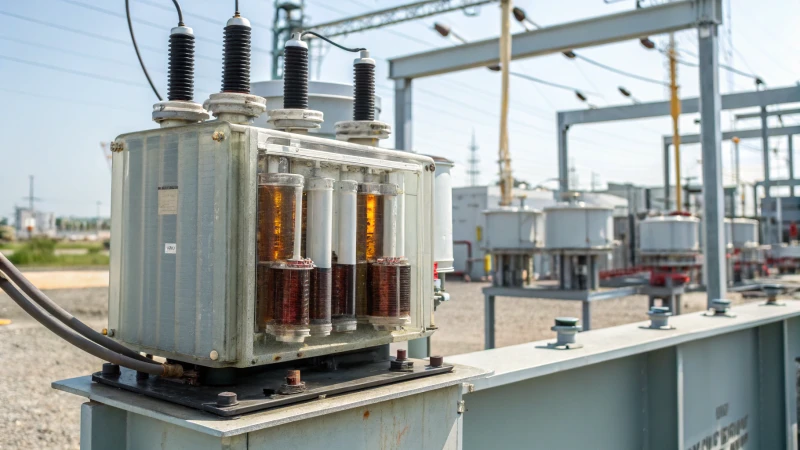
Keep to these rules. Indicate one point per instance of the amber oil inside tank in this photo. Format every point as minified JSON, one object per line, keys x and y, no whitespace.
{"x":369,"y":238}
{"x":275,"y":235}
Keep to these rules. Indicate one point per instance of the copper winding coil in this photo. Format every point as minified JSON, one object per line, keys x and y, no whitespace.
{"x":391,"y":288}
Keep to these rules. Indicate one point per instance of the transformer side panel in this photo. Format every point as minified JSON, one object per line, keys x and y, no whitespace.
{"x":176,"y":271}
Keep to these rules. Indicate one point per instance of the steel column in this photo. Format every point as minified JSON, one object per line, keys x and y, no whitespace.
{"x":403,"y":138}
{"x":791,"y":160}
{"x":765,"y":148}
{"x":488,"y":322}
{"x":713,"y":206}
{"x":667,"y":176}
{"x":563,"y":161}
{"x":586,"y":320}
{"x":755,"y":200}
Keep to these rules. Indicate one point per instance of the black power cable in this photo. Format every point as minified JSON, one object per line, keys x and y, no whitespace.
{"x":61,"y":314}
{"x":136,"y":47}
{"x":82,"y":343}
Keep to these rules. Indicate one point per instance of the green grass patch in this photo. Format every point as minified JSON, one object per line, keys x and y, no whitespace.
{"x":41,"y":252}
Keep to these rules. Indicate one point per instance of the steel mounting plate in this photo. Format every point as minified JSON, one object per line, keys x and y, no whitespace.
{"x":259,"y":392}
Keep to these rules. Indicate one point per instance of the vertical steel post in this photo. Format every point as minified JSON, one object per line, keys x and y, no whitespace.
{"x":765,"y":149}
{"x":587,"y":315}
{"x":403,"y":138}
{"x":666,"y":175}
{"x":563,"y":162}
{"x":755,"y":200}
{"x":711,"y":137}
{"x":791,"y":160}
{"x":488,"y":322}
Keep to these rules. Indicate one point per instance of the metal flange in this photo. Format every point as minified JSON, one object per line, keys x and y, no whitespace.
{"x":566,"y":329}
{"x":659,"y":318}
{"x":362,"y":129}
{"x":720,"y":308}
{"x":236,"y":103}
{"x":289,"y":119}
{"x":176,"y":110}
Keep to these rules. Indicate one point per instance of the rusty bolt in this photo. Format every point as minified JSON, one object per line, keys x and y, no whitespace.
{"x":401,"y":354}
{"x":293,"y":377}
{"x":227,"y":399}
{"x":437,"y":361}
{"x":218,"y":136}
{"x":110,"y":370}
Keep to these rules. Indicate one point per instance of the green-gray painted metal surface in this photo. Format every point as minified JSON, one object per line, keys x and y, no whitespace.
{"x":711,"y":383}
{"x":182,"y":274}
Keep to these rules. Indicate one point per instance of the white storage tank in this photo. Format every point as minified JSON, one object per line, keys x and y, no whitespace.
{"x":745,"y":233}
{"x":512,"y":228}
{"x":443,"y":215}
{"x":335,"y":100}
{"x":578,"y":226}
{"x":669,"y":234}
{"x":727,"y":226}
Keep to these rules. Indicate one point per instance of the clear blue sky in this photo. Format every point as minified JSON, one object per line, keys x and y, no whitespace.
{"x":65,"y":92}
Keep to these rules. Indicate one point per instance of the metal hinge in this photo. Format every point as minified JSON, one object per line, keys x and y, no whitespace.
{"x":461,"y":407}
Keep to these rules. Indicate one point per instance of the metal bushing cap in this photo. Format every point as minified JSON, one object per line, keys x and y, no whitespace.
{"x":437,"y":361}
{"x":362,"y":129}
{"x":248,"y":105}
{"x":189,"y":112}
{"x":288,"y":119}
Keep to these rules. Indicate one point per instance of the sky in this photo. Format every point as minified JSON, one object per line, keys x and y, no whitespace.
{"x":69,"y":80}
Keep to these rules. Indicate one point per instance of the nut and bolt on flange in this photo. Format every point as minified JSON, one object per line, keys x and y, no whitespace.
{"x":110,"y":370}
{"x":773,"y":291}
{"x":225,"y":399}
{"x":720,"y":307}
{"x":566,"y":329}
{"x":437,"y":361}
{"x":659,"y":318}
{"x":293,"y":384}
{"x":401,"y":363}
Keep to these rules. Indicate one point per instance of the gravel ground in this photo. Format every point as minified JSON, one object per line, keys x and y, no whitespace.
{"x":33,"y":415}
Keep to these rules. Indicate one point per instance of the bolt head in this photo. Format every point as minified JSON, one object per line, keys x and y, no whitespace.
{"x":437,"y":361}
{"x":402,"y":355}
{"x":110,"y":370}
{"x":214,"y":355}
{"x":227,"y":399}
{"x":293,"y":377}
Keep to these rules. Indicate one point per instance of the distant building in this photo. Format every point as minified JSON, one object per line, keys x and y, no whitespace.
{"x":35,"y":222}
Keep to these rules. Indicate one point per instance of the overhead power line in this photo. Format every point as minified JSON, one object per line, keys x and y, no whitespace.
{"x":621,"y":72}
{"x":101,"y":37}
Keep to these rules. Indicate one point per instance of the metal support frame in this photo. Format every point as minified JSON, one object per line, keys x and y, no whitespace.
{"x":784,"y":112}
{"x":726,"y":136}
{"x":710,"y":136}
{"x":403,"y":139}
{"x":585,"y":297}
{"x":633,"y":24}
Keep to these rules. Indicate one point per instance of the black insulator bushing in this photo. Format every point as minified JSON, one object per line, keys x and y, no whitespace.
{"x":181,"y":67}
{"x":295,"y":77}
{"x":236,"y":59}
{"x":364,"y":92}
